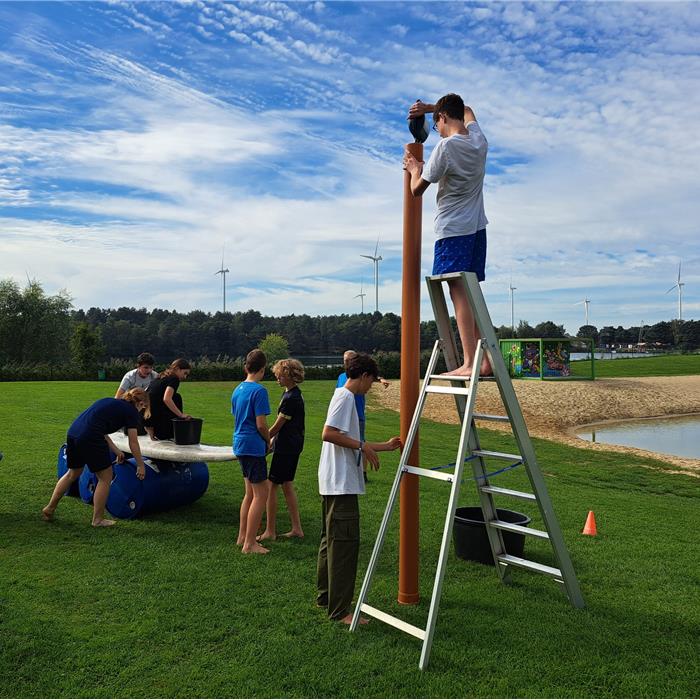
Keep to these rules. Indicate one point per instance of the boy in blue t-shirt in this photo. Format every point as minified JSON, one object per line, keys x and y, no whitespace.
{"x":251,"y":442}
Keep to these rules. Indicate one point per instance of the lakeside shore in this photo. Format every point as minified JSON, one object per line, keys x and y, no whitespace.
{"x":555,"y":409}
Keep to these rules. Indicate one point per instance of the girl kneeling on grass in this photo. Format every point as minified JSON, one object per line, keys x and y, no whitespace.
{"x":88,"y":444}
{"x":287,"y":435}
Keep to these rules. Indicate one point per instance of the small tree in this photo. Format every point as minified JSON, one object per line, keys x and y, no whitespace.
{"x":275,"y":347}
{"x":87,"y":349}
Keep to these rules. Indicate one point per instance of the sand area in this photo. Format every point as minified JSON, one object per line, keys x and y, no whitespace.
{"x":552,"y":409}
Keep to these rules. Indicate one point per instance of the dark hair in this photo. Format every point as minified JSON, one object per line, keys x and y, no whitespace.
{"x":145,"y":358}
{"x":180,"y":363}
{"x":255,"y":360}
{"x":361,"y":364}
{"x":452,"y":105}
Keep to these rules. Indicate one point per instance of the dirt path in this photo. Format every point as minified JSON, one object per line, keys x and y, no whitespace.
{"x":553,"y":409}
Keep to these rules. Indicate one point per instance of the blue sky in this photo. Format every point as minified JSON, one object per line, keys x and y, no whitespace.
{"x":140,"y":140}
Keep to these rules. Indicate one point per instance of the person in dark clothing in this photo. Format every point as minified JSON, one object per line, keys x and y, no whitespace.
{"x":88,"y":444}
{"x":287,"y":435}
{"x":166,"y":403}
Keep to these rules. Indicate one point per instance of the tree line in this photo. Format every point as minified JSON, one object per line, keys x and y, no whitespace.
{"x":40,"y":328}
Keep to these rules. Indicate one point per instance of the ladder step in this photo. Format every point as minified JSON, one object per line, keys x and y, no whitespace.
{"x":430,"y":473}
{"x":452,"y":390}
{"x":510,"y":527}
{"x":488,"y":416}
{"x":531,"y":565}
{"x":449,"y":379}
{"x":509,"y":492}
{"x":393,"y":621}
{"x":498,"y":455}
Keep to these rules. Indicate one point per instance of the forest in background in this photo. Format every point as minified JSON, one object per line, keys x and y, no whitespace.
{"x":37,"y":329}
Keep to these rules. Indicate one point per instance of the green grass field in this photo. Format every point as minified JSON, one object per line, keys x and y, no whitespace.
{"x":655,"y":366}
{"x":167,"y":606}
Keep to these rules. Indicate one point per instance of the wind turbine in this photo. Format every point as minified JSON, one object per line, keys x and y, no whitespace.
{"x":641,"y":333}
{"x":375,"y":259}
{"x":362,"y":296}
{"x":223,"y":272}
{"x":680,"y":286}
{"x":586,"y":302}
{"x":511,"y":289}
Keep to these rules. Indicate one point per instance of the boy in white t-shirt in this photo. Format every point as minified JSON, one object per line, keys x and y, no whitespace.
{"x":458,"y":165}
{"x":340,"y":481}
{"x":139,"y":378}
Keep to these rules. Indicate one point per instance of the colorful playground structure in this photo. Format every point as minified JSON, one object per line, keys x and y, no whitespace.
{"x":544,"y":358}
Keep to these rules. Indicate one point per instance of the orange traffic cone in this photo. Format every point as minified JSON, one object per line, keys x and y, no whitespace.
{"x":589,"y":528}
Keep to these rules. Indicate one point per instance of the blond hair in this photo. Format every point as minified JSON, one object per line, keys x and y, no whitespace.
{"x":289,"y":368}
{"x":347,"y":356}
{"x":136,"y":396}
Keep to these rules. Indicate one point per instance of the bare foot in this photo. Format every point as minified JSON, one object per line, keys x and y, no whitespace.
{"x":486,"y":369}
{"x":348,"y":619}
{"x":104,"y":523}
{"x":254,"y":549}
{"x":266,"y":536}
{"x":47,"y":514}
{"x":294,"y":533}
{"x":463,"y":371}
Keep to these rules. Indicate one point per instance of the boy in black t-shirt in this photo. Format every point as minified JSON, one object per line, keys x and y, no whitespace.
{"x":287,"y":435}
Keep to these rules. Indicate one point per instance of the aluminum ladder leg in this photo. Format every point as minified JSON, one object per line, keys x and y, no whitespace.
{"x":564,"y":574}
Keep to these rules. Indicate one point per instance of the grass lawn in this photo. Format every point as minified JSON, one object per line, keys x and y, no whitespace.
{"x":167,"y":605}
{"x":655,"y":366}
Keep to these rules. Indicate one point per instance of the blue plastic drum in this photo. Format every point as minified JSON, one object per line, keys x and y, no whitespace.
{"x":62,"y":468}
{"x":169,"y":485}
{"x":86,"y":485}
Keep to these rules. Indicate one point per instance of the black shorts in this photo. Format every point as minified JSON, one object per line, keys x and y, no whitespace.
{"x":283,"y":467}
{"x":94,"y":456}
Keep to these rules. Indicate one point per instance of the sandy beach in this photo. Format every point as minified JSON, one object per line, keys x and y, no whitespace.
{"x":553,"y":410}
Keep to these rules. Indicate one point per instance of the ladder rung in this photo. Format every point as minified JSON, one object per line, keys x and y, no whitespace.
{"x":509,"y":492}
{"x":510,"y":527}
{"x":431,"y":474}
{"x":452,"y":390}
{"x":498,"y":455}
{"x":448,"y":378}
{"x":531,"y":565}
{"x":488,"y":416}
{"x":393,"y":621}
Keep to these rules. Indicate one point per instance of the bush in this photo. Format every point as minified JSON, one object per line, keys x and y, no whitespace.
{"x":221,"y":369}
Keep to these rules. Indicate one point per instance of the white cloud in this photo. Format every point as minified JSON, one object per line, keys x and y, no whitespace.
{"x":281,"y":136}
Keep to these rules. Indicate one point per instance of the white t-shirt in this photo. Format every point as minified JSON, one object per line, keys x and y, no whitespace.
{"x":458,"y":164}
{"x":133,"y":379}
{"x":340,"y":468}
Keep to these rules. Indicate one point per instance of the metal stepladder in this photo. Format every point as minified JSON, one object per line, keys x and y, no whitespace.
{"x":464,"y":391}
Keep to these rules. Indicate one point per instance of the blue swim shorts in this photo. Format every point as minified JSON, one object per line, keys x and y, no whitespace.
{"x":254,"y":468}
{"x":461,"y":254}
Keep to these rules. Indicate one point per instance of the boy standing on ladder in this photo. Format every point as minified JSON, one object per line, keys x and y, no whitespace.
{"x":458,"y":164}
{"x":340,"y":481}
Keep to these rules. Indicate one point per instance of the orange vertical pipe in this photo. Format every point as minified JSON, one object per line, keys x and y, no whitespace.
{"x":410,"y":380}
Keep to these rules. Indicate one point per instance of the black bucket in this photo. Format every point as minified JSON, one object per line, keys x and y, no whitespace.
{"x":471,"y":540}
{"x":187,"y":432}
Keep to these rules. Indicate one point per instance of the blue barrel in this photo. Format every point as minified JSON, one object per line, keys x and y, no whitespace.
{"x":86,"y":485}
{"x":62,"y":468}
{"x":174,"y":484}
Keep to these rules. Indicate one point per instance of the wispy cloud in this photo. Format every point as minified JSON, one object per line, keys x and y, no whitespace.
{"x":165,"y":130}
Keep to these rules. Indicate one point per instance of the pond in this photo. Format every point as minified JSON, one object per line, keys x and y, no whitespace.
{"x":679,"y":436}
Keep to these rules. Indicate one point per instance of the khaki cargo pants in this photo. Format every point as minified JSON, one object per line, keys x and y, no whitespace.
{"x":337,"y":554}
